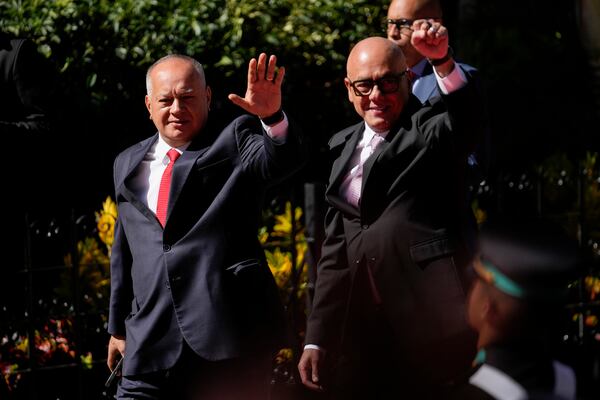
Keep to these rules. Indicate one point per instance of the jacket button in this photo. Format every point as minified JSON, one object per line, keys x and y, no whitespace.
{"x":166,"y":247}
{"x":365,"y":226}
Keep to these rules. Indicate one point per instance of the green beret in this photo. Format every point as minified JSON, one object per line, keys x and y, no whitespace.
{"x":529,"y":259}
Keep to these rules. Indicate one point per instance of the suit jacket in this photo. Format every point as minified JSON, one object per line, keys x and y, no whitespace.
{"x":414,"y":231}
{"x":480,"y":160}
{"x":428,"y":87}
{"x":203,"y":279}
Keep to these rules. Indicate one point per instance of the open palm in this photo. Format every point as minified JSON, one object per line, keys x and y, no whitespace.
{"x":263,"y":93}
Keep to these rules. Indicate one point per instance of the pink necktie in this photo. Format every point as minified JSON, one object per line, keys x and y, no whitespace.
{"x":165,"y":186}
{"x":353,"y":195}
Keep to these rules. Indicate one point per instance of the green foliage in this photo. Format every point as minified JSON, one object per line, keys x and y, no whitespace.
{"x":101,"y":45}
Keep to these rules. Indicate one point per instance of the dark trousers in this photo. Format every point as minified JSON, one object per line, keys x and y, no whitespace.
{"x":193,"y":378}
{"x":373,"y":367}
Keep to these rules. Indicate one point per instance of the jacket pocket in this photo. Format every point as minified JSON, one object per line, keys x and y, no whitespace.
{"x":437,"y":247}
{"x":244,"y":267}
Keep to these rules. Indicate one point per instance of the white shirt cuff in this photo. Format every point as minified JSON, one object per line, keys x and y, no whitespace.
{"x":314,"y":347}
{"x":453,"y":81}
{"x":277,"y":132}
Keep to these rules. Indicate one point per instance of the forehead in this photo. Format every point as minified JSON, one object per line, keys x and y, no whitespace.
{"x":175,"y":74}
{"x":373,"y":64}
{"x":413,"y":9}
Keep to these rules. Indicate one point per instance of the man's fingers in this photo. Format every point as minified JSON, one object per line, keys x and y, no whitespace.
{"x":262,"y":66}
{"x":252,"y":70}
{"x":309,"y":370}
{"x":238,"y":101}
{"x":280,"y":75}
{"x":271,"y":68}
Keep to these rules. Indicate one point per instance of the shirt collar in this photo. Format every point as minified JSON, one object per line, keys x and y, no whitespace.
{"x":162,"y":148}
{"x":369,"y":133}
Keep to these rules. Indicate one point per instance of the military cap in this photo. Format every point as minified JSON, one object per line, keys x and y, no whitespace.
{"x":527,"y":259}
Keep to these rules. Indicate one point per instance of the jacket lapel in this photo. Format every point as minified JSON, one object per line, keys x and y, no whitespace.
{"x":427,"y":86}
{"x":181,"y":171}
{"x":135,"y":158}
{"x":348,"y":138}
{"x":397,"y":140}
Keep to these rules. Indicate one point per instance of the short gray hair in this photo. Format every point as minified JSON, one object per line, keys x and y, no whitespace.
{"x":197,"y":66}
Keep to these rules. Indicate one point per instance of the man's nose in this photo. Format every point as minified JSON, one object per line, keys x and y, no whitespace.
{"x":176,"y":106}
{"x":376,"y":93}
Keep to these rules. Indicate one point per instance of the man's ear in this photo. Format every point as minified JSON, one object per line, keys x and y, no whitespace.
{"x":147,"y":100}
{"x":349,"y":88}
{"x":208,"y":96}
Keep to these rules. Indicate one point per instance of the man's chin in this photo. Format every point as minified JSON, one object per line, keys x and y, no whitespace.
{"x":378,"y":124}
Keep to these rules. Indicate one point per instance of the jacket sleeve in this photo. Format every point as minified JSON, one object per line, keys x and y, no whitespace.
{"x":121,"y":285}
{"x":267,"y":159}
{"x":332,"y":286}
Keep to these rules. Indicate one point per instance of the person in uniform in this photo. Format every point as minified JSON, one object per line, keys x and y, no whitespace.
{"x":523,"y":271}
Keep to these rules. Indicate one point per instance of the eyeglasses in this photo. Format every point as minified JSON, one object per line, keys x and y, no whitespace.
{"x":404,"y":24}
{"x":401,"y":24}
{"x":386,"y":85}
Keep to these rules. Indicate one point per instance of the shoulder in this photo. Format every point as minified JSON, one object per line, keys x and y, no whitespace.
{"x":342,"y":136}
{"x":139,"y":146}
{"x":244,"y":123}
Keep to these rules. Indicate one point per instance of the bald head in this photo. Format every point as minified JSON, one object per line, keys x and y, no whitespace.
{"x":375,"y":52}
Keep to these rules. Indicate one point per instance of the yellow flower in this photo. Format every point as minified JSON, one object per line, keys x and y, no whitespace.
{"x":284,"y":355}
{"x":280,"y":264}
{"x":86,"y":360}
{"x":592,"y":284}
{"x":106,"y":220}
{"x":283,"y":222}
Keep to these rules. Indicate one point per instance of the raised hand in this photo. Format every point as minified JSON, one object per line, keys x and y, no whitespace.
{"x":430,"y":38}
{"x":263,"y":93}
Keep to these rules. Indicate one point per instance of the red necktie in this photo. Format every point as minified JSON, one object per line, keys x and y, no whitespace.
{"x":165,"y":186}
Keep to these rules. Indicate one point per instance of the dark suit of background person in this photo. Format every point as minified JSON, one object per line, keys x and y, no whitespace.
{"x":524,"y":268}
{"x":400,"y":16}
{"x":390,"y":294}
{"x":195,"y":302}
{"x":25,"y":94}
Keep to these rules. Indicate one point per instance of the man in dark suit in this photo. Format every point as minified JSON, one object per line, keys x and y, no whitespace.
{"x":390,"y":290}
{"x":194,"y":309}
{"x":26,"y":90}
{"x":400,"y":17}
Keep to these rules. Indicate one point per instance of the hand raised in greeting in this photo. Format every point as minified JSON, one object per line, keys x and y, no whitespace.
{"x":263,"y":93}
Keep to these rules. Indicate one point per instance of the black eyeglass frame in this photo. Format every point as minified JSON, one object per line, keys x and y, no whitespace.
{"x":405,"y":23}
{"x":378,"y":82}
